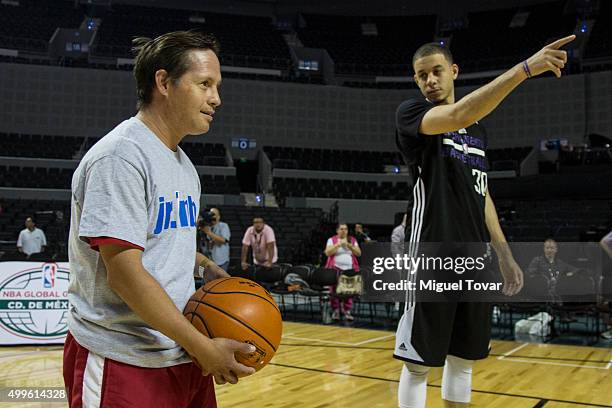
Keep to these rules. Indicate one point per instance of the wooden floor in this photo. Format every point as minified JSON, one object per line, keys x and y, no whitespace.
{"x":329,"y":366}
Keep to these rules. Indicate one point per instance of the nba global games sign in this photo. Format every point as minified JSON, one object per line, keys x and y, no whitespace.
{"x":33,"y":302}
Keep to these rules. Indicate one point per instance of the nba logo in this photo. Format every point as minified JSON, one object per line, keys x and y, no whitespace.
{"x":48,"y":271}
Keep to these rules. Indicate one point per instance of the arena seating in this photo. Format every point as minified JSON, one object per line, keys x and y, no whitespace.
{"x":30,"y":25}
{"x":600,"y":43}
{"x":292,"y":227}
{"x":489,"y":42}
{"x":331,"y":160}
{"x":564,"y":220}
{"x":507,"y":158}
{"x":57,"y":178}
{"x":348,"y":189}
{"x":45,"y":146}
{"x":245,"y":40}
{"x":45,"y":212}
{"x":41,"y":146}
{"x":205,"y":154}
{"x":388,"y":53}
{"x":371,"y":161}
{"x":486,"y":41}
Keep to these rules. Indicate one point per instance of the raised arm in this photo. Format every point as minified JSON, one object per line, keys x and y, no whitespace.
{"x":479,"y":103}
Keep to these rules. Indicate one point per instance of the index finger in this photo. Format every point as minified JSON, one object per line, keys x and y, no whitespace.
{"x":561,"y":42}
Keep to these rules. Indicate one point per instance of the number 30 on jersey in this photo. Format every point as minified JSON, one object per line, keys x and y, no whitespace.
{"x":481,"y":182}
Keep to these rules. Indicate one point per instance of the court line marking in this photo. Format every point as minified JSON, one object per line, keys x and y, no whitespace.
{"x":518,"y":360}
{"x":388,"y":336}
{"x":342,"y":343}
{"x":514,"y":350}
{"x":367,"y":377}
{"x":513,"y":360}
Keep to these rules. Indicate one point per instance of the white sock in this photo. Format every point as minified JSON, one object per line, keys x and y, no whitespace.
{"x":457,"y":379}
{"x":412,"y":390}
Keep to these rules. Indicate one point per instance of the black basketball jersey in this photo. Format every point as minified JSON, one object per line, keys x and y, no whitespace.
{"x":449,"y":174}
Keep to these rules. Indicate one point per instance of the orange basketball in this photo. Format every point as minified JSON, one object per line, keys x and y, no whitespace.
{"x":239,"y":309}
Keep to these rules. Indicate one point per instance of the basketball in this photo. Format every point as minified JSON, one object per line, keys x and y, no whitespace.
{"x":238,"y":309}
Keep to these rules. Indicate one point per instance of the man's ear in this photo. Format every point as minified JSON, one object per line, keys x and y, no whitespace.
{"x":161,"y":81}
{"x":455,"y":69}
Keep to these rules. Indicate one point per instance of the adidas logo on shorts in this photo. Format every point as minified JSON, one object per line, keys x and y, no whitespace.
{"x":402,"y":347}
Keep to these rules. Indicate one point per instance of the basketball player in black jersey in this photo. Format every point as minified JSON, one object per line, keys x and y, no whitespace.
{"x":444,"y":145}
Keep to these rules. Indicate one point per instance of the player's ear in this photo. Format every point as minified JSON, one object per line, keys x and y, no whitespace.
{"x":455,"y":70}
{"x":416,"y":79}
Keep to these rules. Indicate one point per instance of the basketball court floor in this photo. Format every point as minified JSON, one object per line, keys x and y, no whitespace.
{"x":329,"y":366}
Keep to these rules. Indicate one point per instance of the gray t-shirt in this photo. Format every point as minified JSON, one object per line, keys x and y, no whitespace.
{"x":220,"y":253}
{"x":132,"y":187}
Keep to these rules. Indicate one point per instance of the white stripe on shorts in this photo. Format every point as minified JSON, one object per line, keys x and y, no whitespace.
{"x":92,"y":381}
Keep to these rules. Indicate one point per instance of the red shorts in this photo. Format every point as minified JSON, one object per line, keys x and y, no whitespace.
{"x":95,"y":381}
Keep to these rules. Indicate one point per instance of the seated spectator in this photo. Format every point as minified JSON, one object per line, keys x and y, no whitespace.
{"x":31,"y":240}
{"x":342,"y":252}
{"x":552,"y":268}
{"x":260,"y":237}
{"x":549,"y":265}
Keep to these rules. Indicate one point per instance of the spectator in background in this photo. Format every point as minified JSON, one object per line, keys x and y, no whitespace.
{"x":217,"y":238}
{"x":260,"y":237}
{"x":399,"y":233}
{"x":31,"y":240}
{"x":549,"y":265}
{"x":361,"y":235}
{"x":342,"y":252}
{"x":553,"y":269}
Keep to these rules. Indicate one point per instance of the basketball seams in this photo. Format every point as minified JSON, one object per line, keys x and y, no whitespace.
{"x":245,"y":293}
{"x":239,"y":321}
{"x":210,"y":333}
{"x":204,"y":293}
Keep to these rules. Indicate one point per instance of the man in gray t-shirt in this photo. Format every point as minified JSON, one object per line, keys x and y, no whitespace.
{"x":132,"y":246}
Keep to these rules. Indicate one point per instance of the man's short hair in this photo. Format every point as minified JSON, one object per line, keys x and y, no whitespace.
{"x":169,"y":51}
{"x":431,"y":49}
{"x":341,"y":224}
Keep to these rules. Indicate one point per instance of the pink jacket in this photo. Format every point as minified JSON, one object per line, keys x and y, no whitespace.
{"x":331,"y":264}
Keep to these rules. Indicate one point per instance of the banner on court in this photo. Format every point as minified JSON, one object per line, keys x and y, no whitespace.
{"x":33,"y":302}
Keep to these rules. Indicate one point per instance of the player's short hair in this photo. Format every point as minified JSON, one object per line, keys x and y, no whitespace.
{"x":341,"y":224}
{"x":431,"y":49}
{"x":169,"y":51}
